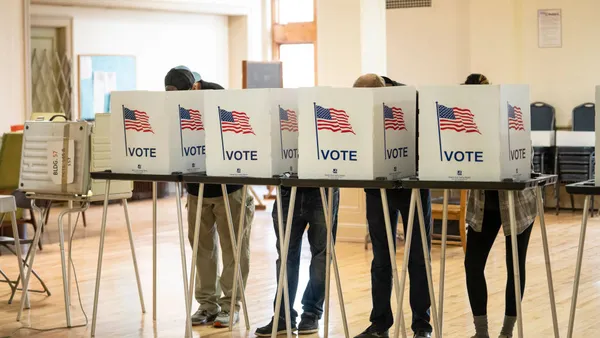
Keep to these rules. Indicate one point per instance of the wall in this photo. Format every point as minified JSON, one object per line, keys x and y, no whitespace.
{"x":444,"y":43}
{"x":159,"y":40}
{"x":12,"y":66}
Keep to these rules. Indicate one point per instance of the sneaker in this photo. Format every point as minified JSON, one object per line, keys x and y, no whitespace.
{"x":371,"y":332}
{"x":202,"y":317}
{"x":308,"y":324}
{"x":422,"y":334}
{"x":265,"y":331}
{"x":504,"y":336}
{"x":222,"y":319}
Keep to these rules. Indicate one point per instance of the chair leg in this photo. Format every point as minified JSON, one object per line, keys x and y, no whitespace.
{"x":572,"y":203}
{"x":13,"y":288}
{"x":47,"y":213}
{"x":592,"y":210}
{"x":84,"y":221}
{"x":557,"y":198}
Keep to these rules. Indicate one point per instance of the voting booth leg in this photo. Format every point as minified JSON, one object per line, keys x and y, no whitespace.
{"x":13,"y":221}
{"x":540,"y":206}
{"x":286,"y":295}
{"x":584,"y":220}
{"x":195,"y":246}
{"x":70,"y":231}
{"x":188,"y":322}
{"x":284,"y":254}
{"x":133,"y":255}
{"x":427,"y":257}
{"x":61,"y":237}
{"x":328,"y":209}
{"x":100,"y":253}
{"x":154,"y":235}
{"x":32,"y":251}
{"x":392,"y":251}
{"x":407,"y":244}
{"x":443,"y":260}
{"x":238,"y":278}
{"x":515,"y":259}
{"x":327,"y":267}
{"x":237,"y":260}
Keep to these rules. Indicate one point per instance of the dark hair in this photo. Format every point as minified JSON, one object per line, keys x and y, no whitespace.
{"x":476,"y":79}
{"x":182,"y":79}
{"x":209,"y":85}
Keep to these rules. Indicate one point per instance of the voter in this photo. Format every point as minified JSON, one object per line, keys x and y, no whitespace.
{"x":486,"y":212}
{"x":381,"y":268}
{"x":214,"y":308}
{"x":308,"y":210}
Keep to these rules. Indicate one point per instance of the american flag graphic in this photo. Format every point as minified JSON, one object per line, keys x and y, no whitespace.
{"x":457,"y":119}
{"x":288,"y":120}
{"x":333,"y":119}
{"x":515,"y":118}
{"x":137,"y":120}
{"x":190,"y":119}
{"x":237,"y":122}
{"x":393,"y":118}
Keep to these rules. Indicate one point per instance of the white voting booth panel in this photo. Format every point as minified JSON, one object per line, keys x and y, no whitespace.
{"x":543,"y":138}
{"x":157,"y":132}
{"x":248,"y":135}
{"x":101,"y":157}
{"x":357,"y":133}
{"x":474,"y":133}
{"x":55,"y":158}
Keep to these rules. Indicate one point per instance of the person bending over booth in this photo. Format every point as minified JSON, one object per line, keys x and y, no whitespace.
{"x":381,"y":268}
{"x":214,"y":308}
{"x":487,"y":211}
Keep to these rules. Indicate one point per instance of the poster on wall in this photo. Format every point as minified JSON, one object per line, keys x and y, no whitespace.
{"x":549,"y":28}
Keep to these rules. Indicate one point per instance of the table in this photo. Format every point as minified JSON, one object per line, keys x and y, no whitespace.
{"x":202,"y":179}
{"x":295,"y":183}
{"x":176,"y":178}
{"x":535,"y":182}
{"x":589,"y":189}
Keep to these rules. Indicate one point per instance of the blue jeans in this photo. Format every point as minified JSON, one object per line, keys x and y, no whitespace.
{"x":308,"y":210}
{"x":381,"y":268}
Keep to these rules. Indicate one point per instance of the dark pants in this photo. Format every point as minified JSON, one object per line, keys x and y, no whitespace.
{"x":308,"y":210}
{"x":381,"y":268}
{"x":479,"y":245}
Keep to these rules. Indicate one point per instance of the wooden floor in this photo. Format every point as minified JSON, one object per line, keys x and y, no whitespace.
{"x":119,"y":309}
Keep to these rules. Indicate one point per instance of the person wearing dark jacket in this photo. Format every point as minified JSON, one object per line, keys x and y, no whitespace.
{"x":381,"y":268}
{"x":214,"y":308}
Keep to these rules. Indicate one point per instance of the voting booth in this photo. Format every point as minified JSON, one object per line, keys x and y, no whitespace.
{"x":357,"y":133}
{"x":252,"y":132}
{"x":157,"y":132}
{"x":100,"y":157}
{"x":55,"y":158}
{"x":474,"y":133}
{"x":597,"y":128}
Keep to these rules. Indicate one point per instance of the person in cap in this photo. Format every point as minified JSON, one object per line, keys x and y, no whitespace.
{"x":214,"y":229}
{"x":381,"y":268}
{"x":487,"y":211}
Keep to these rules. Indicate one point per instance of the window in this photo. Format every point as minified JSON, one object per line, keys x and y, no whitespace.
{"x":289,"y":11}
{"x":294,"y":40}
{"x":296,"y":60}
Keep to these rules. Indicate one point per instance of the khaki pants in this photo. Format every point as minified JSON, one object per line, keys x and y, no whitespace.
{"x":213,"y":222}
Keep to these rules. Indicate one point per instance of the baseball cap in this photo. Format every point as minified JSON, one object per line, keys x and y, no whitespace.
{"x":180,"y":78}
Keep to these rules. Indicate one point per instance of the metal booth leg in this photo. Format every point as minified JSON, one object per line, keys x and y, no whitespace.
{"x":133,"y":255}
{"x":427,"y":257}
{"x":327,"y":270}
{"x":515,"y":259}
{"x":33,"y":251}
{"x":443,"y":260}
{"x":328,"y":210}
{"x":154,"y":244}
{"x":197,"y":223}
{"x":391,"y":241}
{"x":540,"y":206}
{"x":70,"y":232}
{"x":286,"y":295}
{"x":407,"y":244}
{"x":584,"y":219}
{"x":237,"y":270}
{"x":13,"y":221}
{"x":100,"y":253}
{"x":188,"y":326}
